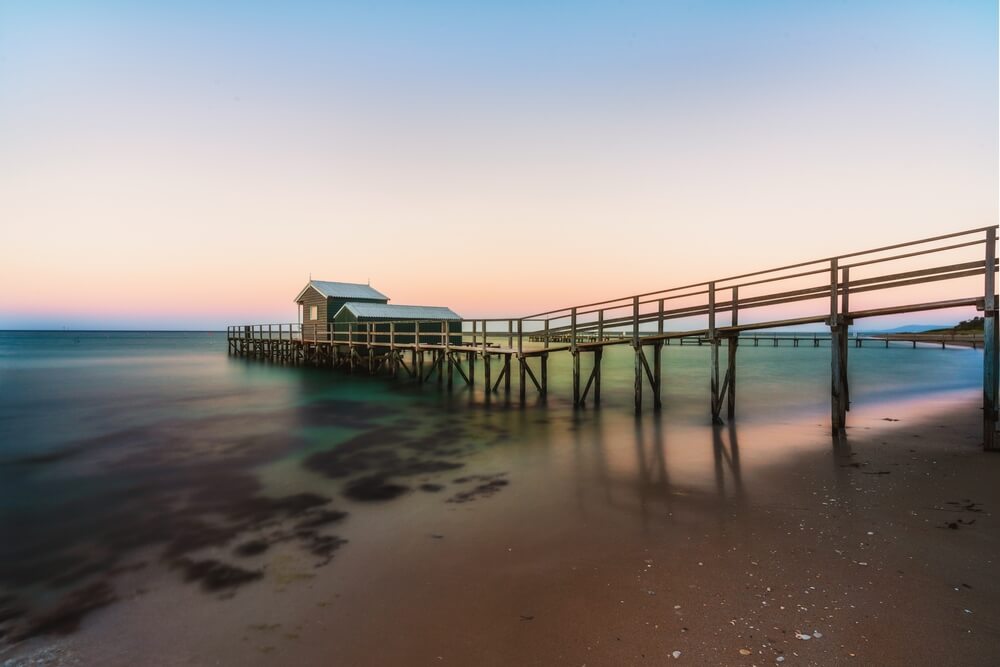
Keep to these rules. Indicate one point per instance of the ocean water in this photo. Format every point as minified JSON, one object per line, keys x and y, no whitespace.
{"x":158,"y":451}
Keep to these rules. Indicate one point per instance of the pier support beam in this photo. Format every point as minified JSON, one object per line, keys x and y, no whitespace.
{"x":838,"y":352}
{"x":638,"y":379}
{"x":545,"y":374}
{"x":714,"y":341}
{"x":657,"y":368}
{"x":838,"y":368}
{"x":644,"y":373}
{"x":730,"y":383}
{"x":991,"y":373}
{"x":522,"y":366}
{"x":593,"y":380}
{"x":598,"y":356}
{"x":576,"y":377}
{"x":715,"y":386}
{"x":487,"y":387}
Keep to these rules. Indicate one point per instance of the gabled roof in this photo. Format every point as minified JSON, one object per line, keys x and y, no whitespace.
{"x":387,"y":312}
{"x":343,"y":290}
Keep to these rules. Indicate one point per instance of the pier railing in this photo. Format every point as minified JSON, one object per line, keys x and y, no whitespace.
{"x":832,"y":291}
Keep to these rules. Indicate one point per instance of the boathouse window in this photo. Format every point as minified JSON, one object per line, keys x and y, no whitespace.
{"x":313,"y":312}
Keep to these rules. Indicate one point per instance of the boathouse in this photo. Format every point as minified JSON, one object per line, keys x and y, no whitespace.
{"x":345,"y":304}
{"x":320,"y":300}
{"x":406,"y":319}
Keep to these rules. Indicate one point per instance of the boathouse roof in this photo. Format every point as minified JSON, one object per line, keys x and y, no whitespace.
{"x":336,"y":290}
{"x":384,"y":311}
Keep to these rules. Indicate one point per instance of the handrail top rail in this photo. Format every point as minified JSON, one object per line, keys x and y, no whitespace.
{"x":825,"y":260}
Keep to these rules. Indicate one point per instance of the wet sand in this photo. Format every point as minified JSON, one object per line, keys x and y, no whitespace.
{"x":594,"y":539}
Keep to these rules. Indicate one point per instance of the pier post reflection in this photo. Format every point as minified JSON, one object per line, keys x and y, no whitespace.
{"x":727,"y":457}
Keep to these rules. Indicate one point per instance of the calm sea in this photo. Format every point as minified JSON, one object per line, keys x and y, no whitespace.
{"x":116,"y":444}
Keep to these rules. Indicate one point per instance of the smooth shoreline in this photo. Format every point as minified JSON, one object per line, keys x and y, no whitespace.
{"x":645,"y":548}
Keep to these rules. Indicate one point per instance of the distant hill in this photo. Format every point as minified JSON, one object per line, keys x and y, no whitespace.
{"x":975,"y":325}
{"x":913,"y":328}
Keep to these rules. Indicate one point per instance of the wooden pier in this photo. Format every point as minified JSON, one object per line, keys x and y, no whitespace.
{"x":964,"y":264}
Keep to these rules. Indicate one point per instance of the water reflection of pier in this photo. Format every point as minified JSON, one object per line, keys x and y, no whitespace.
{"x":640,"y":478}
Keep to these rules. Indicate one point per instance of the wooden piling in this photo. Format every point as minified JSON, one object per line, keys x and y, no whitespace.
{"x":598,"y":356}
{"x":714,"y":341}
{"x":487,"y":387}
{"x":657,"y":366}
{"x":576,"y":377}
{"x":731,"y":347}
{"x":506,"y":373}
{"x":838,"y":371}
{"x":544,"y":361}
{"x":522,"y":362}
{"x":575,"y":352}
{"x":637,"y":347}
{"x":990,"y":347}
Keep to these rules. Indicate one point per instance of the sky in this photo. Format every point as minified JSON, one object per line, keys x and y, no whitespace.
{"x":182,"y":165}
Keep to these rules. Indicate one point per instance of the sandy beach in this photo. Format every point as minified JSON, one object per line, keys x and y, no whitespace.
{"x":745,"y":545}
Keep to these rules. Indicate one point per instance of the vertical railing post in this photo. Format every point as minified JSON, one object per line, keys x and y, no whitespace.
{"x":845,"y":289}
{"x":845,"y":317}
{"x":487,"y":377}
{"x":713,"y":340}
{"x":447,"y":350}
{"x":370,"y":334}
{"x":572,"y":329}
{"x":350,"y":345}
{"x":657,"y":357}
{"x":418,"y":355}
{"x":522,"y":362}
{"x":545,"y":363}
{"x":991,"y":373}
{"x":393,"y":357}
{"x":470,"y":356}
{"x":575,"y":353}
{"x":733,"y":342}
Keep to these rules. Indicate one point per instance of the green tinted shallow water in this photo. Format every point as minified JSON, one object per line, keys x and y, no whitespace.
{"x":115,"y":442}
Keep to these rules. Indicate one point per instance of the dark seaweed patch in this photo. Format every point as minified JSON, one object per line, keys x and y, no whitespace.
{"x":185,"y":485}
{"x":375,"y":452}
{"x":374,"y":488}
{"x":431,"y":488}
{"x":490,"y":484}
{"x":298,"y":503}
{"x":323,"y":546}
{"x":321,"y":518}
{"x":215,"y":575}
{"x":65,"y":616}
{"x":252,"y":548}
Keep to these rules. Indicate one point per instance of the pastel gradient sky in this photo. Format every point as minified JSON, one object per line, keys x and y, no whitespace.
{"x":188,"y":165}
